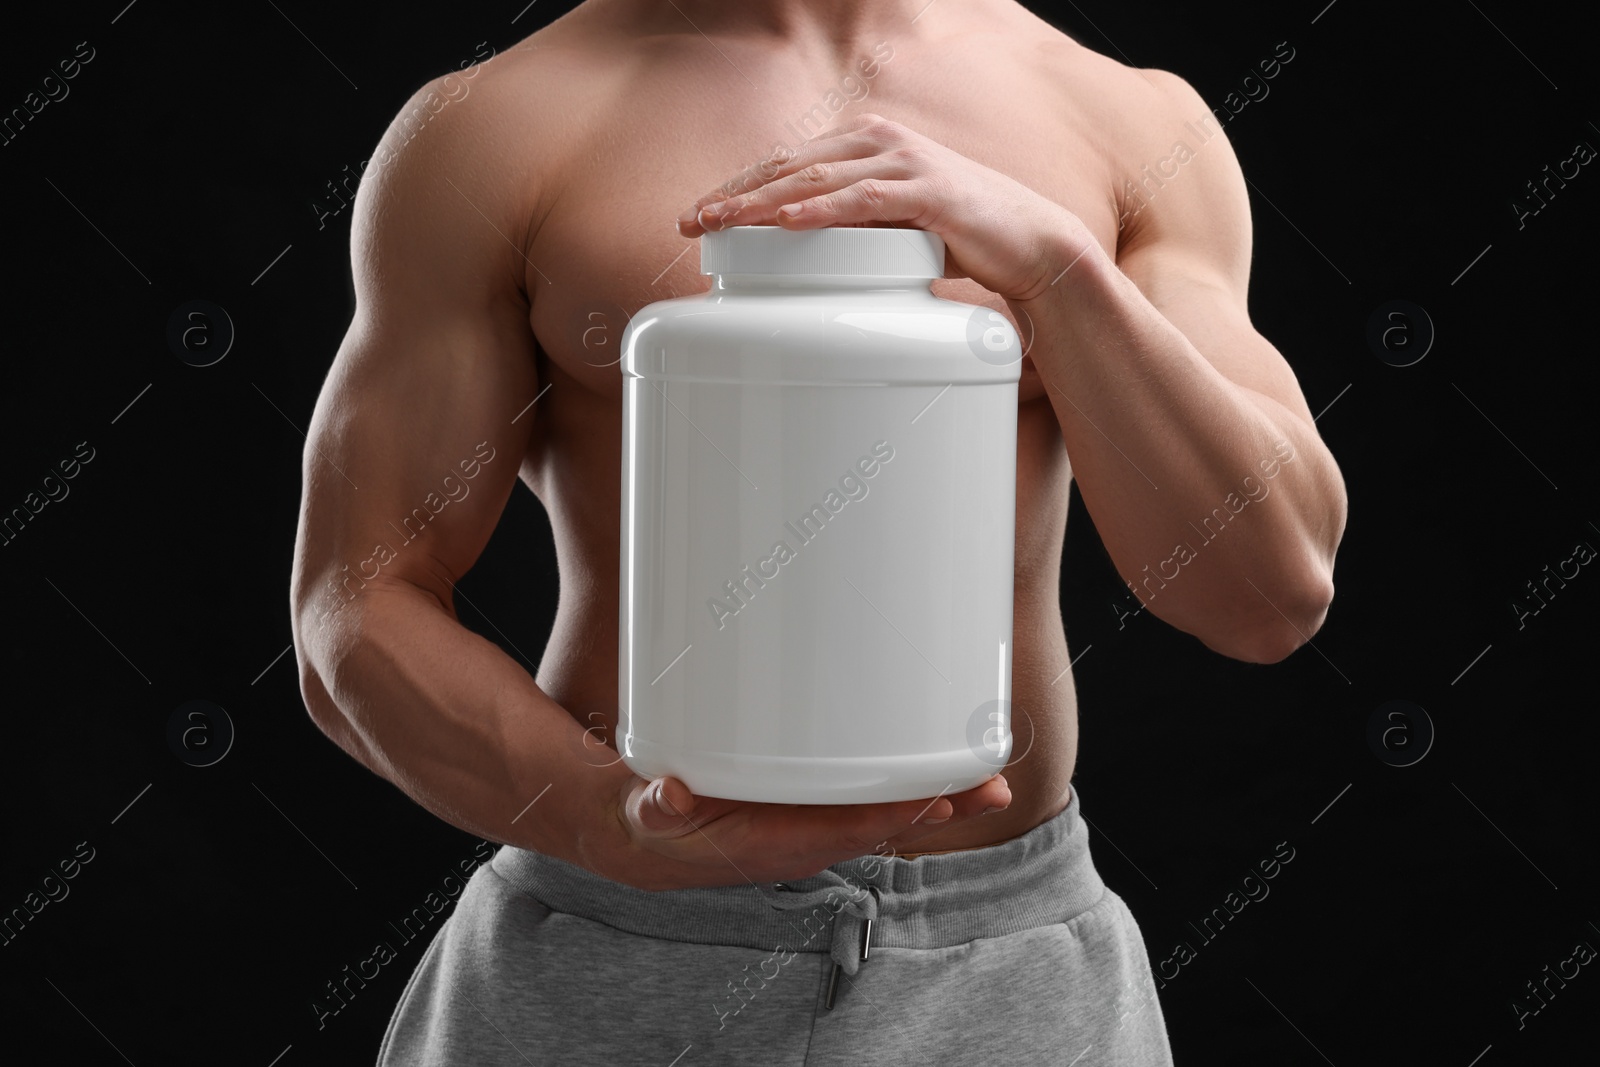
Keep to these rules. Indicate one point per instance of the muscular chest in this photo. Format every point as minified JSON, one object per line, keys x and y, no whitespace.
{"x":607,"y":244}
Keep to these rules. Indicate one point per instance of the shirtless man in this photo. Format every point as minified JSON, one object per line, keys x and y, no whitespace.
{"x":1097,"y":205}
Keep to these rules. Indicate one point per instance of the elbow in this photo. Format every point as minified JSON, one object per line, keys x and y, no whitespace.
{"x":331,"y":639}
{"x":313,"y":693}
{"x":1274,"y":638}
{"x":316,"y":680}
{"x":315,"y":651}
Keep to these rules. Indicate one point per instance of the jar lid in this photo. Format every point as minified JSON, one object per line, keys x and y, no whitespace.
{"x":856,"y":251}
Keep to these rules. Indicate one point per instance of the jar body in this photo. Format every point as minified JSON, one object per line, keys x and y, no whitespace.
{"x":818,"y":528}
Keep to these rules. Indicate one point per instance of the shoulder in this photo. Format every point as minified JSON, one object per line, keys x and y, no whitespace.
{"x":1149,"y":114}
{"x":1177,"y":181}
{"x":1171,"y":178}
{"x":473,"y":157}
{"x":1170,"y":172}
{"x":1139,"y":118}
{"x":498,"y":108}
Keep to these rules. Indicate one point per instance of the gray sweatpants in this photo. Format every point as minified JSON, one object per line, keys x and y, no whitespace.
{"x":1016,"y":954}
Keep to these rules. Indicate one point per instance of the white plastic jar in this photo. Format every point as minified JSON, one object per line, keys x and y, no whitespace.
{"x":818,"y":511}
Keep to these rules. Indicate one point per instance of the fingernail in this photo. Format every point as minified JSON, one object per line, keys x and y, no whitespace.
{"x":986,"y":811}
{"x":931,"y":822}
{"x":711,"y":211}
{"x":789,"y":211}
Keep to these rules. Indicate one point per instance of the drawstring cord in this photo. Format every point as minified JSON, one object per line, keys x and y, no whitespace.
{"x":855,"y":913}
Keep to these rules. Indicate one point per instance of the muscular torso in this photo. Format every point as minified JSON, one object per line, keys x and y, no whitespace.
{"x":633,"y":127}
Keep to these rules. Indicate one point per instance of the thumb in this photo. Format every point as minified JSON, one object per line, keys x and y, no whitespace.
{"x":662,"y":807}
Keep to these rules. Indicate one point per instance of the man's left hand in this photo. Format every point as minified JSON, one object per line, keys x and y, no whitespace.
{"x":874,"y":171}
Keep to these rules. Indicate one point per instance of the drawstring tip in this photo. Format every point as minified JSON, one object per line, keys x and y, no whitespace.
{"x":865,"y":948}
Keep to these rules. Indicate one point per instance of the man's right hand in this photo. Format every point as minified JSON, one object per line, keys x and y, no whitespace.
{"x":659,"y":835}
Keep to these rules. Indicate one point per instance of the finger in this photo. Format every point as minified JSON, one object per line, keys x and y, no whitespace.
{"x":660,"y":807}
{"x":751,"y":178}
{"x":778,"y":841}
{"x":833,"y":833}
{"x":911,"y":202}
{"x":868,"y":135}
{"x":760,"y":207}
{"x":993,"y":795}
{"x":666,"y":808}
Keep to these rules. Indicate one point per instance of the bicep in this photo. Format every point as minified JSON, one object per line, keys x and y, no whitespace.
{"x":416,"y":439}
{"x":1187,"y":242}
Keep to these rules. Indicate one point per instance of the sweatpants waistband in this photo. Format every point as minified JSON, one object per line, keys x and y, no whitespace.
{"x":1042,"y":877}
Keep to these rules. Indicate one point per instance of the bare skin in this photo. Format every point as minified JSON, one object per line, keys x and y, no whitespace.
{"x":499,"y":252}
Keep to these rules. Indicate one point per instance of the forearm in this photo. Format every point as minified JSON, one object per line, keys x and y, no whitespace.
{"x":1161,"y":443}
{"x":446,"y":716}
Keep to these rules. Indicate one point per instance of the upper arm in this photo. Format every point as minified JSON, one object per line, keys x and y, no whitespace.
{"x":1186,"y":236}
{"x":415,"y":442}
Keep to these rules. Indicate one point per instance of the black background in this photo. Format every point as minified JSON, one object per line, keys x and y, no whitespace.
{"x":1383,"y":164}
